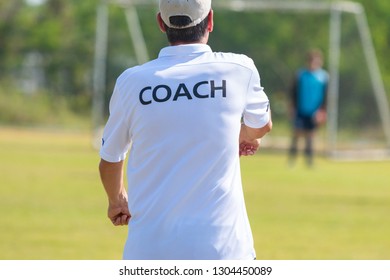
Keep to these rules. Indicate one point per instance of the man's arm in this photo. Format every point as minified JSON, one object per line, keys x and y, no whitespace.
{"x":111,"y":175}
{"x":249,"y":141}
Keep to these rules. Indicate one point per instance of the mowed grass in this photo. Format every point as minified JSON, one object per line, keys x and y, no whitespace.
{"x":338,"y":210}
{"x":53,"y":205}
{"x":51,"y":201}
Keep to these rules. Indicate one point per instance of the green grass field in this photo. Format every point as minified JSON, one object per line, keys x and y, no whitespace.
{"x":53,"y":206}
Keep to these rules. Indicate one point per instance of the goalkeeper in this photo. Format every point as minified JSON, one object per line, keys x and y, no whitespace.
{"x":308,"y":104}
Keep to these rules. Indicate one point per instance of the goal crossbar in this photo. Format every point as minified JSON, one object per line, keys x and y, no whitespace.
{"x":240,"y":5}
{"x":298,"y":6}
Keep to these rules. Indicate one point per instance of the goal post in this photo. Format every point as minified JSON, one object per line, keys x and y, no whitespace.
{"x":100,"y":60}
{"x":335,"y":10}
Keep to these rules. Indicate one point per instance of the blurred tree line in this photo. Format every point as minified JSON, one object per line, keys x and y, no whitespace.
{"x":50,"y":47}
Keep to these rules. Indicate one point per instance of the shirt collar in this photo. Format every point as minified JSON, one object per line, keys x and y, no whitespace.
{"x":187,"y":49}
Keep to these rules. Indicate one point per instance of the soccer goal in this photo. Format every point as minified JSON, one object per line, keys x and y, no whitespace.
{"x":358,"y":125}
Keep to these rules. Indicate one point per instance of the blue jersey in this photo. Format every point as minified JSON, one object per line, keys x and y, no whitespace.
{"x":310,"y":91}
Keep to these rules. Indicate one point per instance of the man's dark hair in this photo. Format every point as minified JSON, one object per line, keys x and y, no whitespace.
{"x":185,"y":35}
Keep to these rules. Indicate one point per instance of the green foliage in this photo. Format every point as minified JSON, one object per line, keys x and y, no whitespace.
{"x":43,"y":109}
{"x":63,"y":33}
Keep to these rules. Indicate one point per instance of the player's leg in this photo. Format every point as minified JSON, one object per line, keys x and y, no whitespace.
{"x":310,"y":126}
{"x":293,"y":150}
{"x":309,"y":153}
{"x":297,"y":132}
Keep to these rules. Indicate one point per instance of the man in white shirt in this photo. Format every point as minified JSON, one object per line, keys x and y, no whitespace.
{"x":188,"y":115}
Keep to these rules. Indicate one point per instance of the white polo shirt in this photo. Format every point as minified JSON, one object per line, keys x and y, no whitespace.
{"x":182,"y":114}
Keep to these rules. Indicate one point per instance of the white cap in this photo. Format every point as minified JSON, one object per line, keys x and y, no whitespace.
{"x":196,"y":10}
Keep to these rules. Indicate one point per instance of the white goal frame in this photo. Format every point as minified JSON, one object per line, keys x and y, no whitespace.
{"x":335,"y":10}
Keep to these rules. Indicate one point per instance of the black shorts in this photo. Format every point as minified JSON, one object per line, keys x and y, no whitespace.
{"x":306,"y":123}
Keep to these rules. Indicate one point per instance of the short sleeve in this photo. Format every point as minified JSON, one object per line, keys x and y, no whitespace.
{"x":116,"y":137}
{"x":257,"y":108}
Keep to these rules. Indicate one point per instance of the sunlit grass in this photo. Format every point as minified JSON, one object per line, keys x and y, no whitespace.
{"x":53,"y":206}
{"x":51,"y":200}
{"x":338,"y":210}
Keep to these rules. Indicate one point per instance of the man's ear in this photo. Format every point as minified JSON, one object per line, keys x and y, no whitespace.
{"x":210,"y":26}
{"x":160,"y":22}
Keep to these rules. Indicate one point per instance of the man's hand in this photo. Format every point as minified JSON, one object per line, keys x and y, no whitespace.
{"x":249,"y":148}
{"x":118,"y":212}
{"x":111,"y":174}
{"x":250,"y":138}
{"x":320,"y":117}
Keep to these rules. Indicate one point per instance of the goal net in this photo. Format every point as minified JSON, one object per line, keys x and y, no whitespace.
{"x":358,"y":125}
